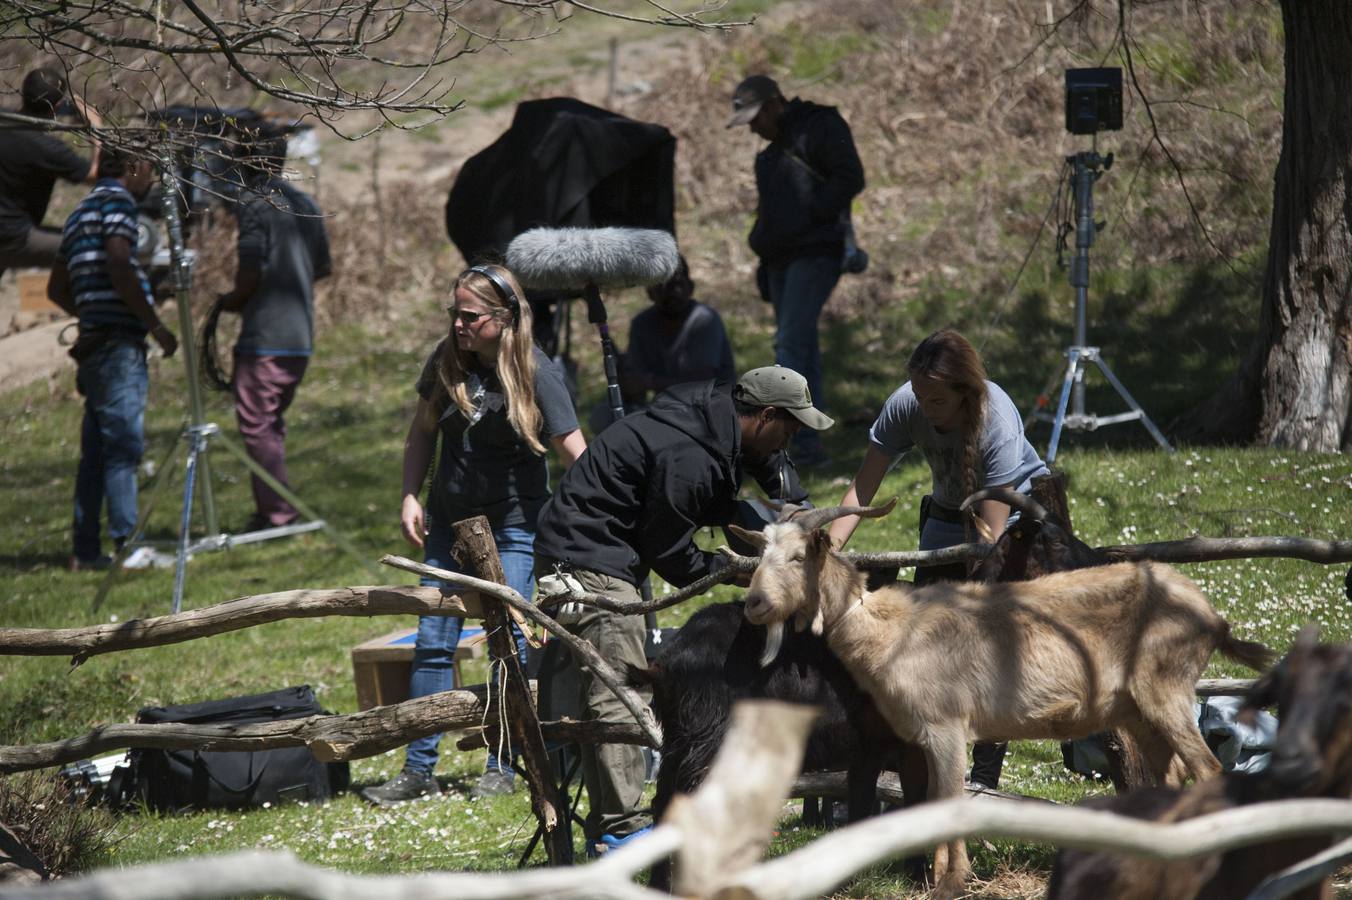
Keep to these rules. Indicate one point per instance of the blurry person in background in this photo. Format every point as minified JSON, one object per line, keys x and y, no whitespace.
{"x":31,"y":161}
{"x":283,"y":250}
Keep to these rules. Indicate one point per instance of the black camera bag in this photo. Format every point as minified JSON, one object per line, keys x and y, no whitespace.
{"x":205,"y":779}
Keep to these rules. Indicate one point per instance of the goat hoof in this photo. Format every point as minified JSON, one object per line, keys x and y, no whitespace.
{"x":950,"y":887}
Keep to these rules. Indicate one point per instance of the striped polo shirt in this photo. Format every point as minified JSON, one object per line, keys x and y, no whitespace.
{"x":109,"y":211}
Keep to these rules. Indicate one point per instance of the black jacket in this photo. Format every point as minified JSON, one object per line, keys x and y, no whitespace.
{"x":806,"y":178}
{"x":633,"y":500}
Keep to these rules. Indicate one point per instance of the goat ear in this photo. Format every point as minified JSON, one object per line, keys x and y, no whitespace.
{"x":756,"y":539}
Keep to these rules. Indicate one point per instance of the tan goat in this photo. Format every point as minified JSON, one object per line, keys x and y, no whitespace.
{"x":1061,"y":656}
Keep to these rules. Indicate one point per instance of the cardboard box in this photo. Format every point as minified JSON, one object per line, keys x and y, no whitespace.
{"x":32,"y":285}
{"x":381,"y":666}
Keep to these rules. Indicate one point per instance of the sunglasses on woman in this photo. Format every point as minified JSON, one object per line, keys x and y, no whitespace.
{"x":467,"y":316}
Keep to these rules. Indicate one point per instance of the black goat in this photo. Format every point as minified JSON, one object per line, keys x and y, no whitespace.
{"x":1039,"y":543}
{"x":1311,"y":757}
{"x":714,"y":661}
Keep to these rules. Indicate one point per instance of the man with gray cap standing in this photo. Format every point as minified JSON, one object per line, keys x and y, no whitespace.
{"x":632,"y":503}
{"x":805,"y":178}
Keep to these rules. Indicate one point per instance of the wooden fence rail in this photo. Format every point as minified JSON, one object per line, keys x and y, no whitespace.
{"x":233,"y":615}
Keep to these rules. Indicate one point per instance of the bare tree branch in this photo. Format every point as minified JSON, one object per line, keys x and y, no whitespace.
{"x":329,"y":57}
{"x":603,"y":671}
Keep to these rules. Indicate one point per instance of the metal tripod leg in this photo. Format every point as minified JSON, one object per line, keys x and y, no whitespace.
{"x":195,"y":450}
{"x":290,"y":497}
{"x":1073,"y":371}
{"x":1131,"y":401}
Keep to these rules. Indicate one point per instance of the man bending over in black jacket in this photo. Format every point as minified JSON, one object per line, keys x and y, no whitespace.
{"x":632,"y":503}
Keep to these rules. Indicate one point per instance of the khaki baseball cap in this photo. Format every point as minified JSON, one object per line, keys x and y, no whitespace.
{"x":750,"y":95}
{"x":783,"y":389}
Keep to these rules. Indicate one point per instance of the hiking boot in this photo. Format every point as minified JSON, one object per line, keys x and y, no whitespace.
{"x":409,"y":784}
{"x":494,"y":783}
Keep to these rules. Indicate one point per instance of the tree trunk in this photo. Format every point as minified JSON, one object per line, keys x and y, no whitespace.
{"x":1294,"y":388}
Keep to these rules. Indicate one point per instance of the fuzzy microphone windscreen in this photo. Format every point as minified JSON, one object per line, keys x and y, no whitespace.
{"x":569,"y":259}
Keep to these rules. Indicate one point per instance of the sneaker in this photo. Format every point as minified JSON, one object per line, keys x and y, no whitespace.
{"x":409,"y":784}
{"x":494,"y":783}
{"x":141,"y":558}
{"x":610,"y":842}
{"x":100,"y":563}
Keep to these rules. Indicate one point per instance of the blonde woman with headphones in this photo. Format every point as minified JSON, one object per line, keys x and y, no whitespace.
{"x":495,"y":400}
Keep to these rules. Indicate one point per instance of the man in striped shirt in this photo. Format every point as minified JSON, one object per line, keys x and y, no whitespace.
{"x":98,"y":279}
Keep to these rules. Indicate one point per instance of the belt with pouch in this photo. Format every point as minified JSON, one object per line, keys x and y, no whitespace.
{"x":930,"y":509}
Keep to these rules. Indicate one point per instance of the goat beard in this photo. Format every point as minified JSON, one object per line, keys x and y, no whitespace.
{"x":774,"y":640}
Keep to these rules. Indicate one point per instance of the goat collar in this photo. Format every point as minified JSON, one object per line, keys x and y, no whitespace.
{"x":846,"y":614}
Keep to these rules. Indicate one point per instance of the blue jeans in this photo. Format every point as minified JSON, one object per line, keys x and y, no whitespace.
{"x":799,"y":288}
{"x":114,"y":381}
{"x":438,"y":636}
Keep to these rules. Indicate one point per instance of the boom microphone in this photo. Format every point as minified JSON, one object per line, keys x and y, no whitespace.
{"x":583,"y":260}
{"x":571,"y":259}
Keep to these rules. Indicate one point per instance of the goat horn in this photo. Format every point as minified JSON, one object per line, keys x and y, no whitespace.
{"x":1022,"y":502}
{"x":812,"y":519}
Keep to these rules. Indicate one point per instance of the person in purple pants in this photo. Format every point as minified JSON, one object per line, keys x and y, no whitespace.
{"x":283,"y":250}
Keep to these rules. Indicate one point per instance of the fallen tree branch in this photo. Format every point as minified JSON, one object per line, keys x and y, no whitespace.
{"x":826,"y":863}
{"x":568,"y":731}
{"x":599,"y":667}
{"x":252,"y":873}
{"x":233,"y":615}
{"x":331,"y":738}
{"x":942,"y":557}
{"x":1224,"y":687}
{"x":1206,"y":549}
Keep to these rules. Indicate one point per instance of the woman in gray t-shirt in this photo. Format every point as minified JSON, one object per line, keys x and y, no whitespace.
{"x":972,"y":437}
{"x":968,"y":430}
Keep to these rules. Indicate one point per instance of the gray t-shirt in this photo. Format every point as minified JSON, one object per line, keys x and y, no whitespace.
{"x":281,"y":231}
{"x":1006,"y":457}
{"x":485,"y":467}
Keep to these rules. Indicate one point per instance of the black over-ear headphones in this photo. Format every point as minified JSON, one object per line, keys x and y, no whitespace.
{"x":504,"y":290}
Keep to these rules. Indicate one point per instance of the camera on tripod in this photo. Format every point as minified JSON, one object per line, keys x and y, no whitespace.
{"x":1093,"y":100}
